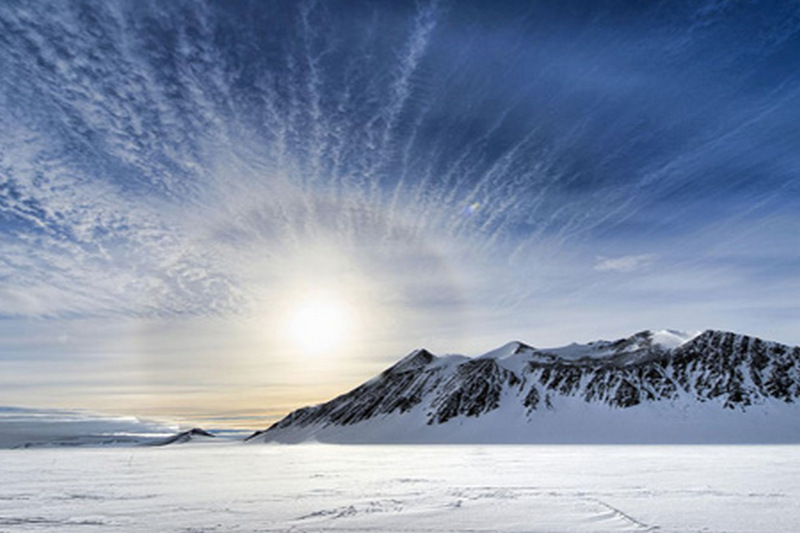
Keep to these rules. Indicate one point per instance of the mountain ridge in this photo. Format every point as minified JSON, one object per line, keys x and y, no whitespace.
{"x":538,"y":395}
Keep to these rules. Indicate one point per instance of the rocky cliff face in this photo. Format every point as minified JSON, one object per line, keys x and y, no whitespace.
{"x":730,"y":371}
{"x":735,"y":369}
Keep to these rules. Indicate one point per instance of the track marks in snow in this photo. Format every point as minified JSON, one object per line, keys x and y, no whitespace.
{"x":369,"y":507}
{"x":469,"y":507}
{"x":614,"y":512}
{"x":48,"y":522}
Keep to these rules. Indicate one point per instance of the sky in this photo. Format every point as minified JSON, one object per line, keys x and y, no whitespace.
{"x":216,"y":212}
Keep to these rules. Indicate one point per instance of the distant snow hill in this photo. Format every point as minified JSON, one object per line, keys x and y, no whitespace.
{"x":61,"y":428}
{"x":191,"y":435}
{"x":652,"y":387}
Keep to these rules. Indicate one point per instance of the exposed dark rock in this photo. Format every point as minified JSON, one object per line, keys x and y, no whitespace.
{"x":475,"y":388}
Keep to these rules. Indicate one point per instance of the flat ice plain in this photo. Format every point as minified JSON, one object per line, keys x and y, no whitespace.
{"x":309,"y":488}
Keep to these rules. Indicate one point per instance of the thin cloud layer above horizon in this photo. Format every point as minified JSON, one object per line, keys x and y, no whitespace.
{"x":178,"y":179}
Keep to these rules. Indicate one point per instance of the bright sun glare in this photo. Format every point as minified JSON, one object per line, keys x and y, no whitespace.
{"x":319,"y":325}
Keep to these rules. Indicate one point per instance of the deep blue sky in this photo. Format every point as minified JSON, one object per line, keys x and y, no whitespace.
{"x":175,"y":176}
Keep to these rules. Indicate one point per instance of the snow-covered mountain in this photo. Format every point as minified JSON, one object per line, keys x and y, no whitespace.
{"x":55,"y":428}
{"x":62,"y":428}
{"x":191,"y":435}
{"x":663,"y":386}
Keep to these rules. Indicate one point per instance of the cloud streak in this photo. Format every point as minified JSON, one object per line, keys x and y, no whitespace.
{"x":626,"y":263}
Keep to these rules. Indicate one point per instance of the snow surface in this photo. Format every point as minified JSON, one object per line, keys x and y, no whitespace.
{"x":312,"y":488}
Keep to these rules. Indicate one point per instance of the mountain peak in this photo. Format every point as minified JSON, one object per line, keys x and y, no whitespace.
{"x":416,"y":359}
{"x":507,"y":350}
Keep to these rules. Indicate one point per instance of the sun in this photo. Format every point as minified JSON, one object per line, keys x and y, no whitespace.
{"x":319,"y":324}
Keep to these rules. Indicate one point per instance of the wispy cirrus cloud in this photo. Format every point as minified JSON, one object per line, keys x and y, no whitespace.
{"x":625,"y":263}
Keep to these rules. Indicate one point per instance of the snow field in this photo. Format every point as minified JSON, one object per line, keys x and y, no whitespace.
{"x":314,"y":488}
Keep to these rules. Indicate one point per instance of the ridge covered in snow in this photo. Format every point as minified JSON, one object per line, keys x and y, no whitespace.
{"x":62,"y":428}
{"x":654,"y":386}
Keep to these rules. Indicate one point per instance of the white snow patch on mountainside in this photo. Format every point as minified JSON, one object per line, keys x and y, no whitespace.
{"x":669,"y":338}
